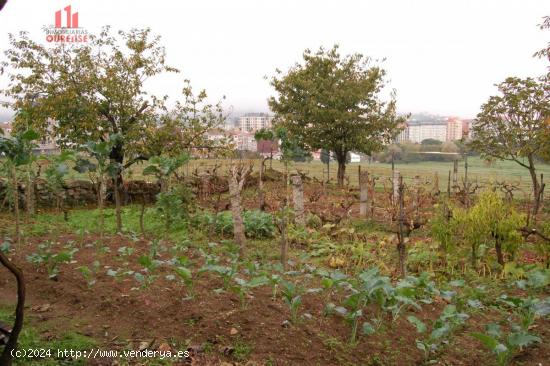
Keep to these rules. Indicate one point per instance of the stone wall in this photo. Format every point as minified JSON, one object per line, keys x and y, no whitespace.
{"x":83,"y":192}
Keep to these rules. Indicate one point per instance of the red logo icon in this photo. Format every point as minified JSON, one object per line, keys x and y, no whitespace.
{"x":72,"y":19}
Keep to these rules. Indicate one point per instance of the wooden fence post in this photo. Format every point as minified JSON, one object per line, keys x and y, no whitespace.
{"x":364,"y":193}
{"x":298,"y":200}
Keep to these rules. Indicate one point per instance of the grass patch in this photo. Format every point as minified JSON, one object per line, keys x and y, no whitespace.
{"x":241,"y":350}
{"x":30,"y":339}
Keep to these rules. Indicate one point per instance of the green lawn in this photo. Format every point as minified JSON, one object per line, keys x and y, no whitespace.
{"x":478,"y":170}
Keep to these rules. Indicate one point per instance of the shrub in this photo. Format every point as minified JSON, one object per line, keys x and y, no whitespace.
{"x":313,"y":221}
{"x":490,"y":222}
{"x":257,"y":224}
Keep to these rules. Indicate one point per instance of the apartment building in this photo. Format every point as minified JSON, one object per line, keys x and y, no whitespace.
{"x":433,"y":127}
{"x":419,"y":131}
{"x":467,"y":130}
{"x":454,"y":129}
{"x":255,"y":121}
{"x":403,"y":135}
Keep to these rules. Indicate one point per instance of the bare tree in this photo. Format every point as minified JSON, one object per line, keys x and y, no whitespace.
{"x":236,"y":183}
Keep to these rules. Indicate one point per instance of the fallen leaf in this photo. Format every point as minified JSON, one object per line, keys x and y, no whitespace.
{"x":41,"y":308}
{"x":165,"y":347}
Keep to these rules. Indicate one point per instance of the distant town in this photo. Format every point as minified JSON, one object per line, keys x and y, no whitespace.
{"x":240,"y":130}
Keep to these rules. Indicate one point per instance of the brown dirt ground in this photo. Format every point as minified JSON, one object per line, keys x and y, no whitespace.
{"x":117,"y":315}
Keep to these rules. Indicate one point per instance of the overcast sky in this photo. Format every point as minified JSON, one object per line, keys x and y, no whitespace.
{"x":443,"y":57}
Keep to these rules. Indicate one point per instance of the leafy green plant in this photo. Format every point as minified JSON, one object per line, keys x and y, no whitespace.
{"x":169,"y":205}
{"x":368,"y":288}
{"x":243,"y":287}
{"x":504,"y":346}
{"x":55,"y":174}
{"x":352,"y":311}
{"x":150,"y":265}
{"x":227,"y":273}
{"x":17,"y":152}
{"x":52,"y":261}
{"x":184,"y":274}
{"x":258,"y":224}
{"x":125,"y":251}
{"x":442,"y":328}
{"x":103,"y":167}
{"x":164,"y":167}
{"x":90,"y":273}
{"x":292,"y":297}
{"x":330,"y":280}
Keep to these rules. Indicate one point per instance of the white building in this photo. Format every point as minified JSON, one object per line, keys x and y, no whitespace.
{"x":354,"y":158}
{"x":255,"y":121}
{"x":245,"y":141}
{"x":422,"y":130}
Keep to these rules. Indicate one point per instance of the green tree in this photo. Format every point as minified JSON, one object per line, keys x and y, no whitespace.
{"x":91,"y":91}
{"x":511,"y":126}
{"x":184,"y":128}
{"x":332,"y":102}
{"x":545,"y":52}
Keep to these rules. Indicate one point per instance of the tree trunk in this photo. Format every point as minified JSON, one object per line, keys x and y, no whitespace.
{"x":436,"y":184}
{"x":29,"y":193}
{"x":364,"y":193}
{"x":118,"y":204}
{"x":536,"y":188}
{"x":298,"y":200}
{"x":341,"y":169}
{"x":283,"y":241}
{"x":117,"y":155}
{"x":449,"y":185}
{"x":236,"y":182}
{"x":466,"y":184}
{"x":100,"y":197}
{"x":401,"y":236}
{"x":16,"y":205}
{"x":6,"y":357}
{"x":371,"y":187}
{"x":261,"y":185}
{"x":455,"y":175}
{"x":141,"y":214}
{"x":396,"y":176}
{"x":416,"y":198}
{"x":498,"y":248}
